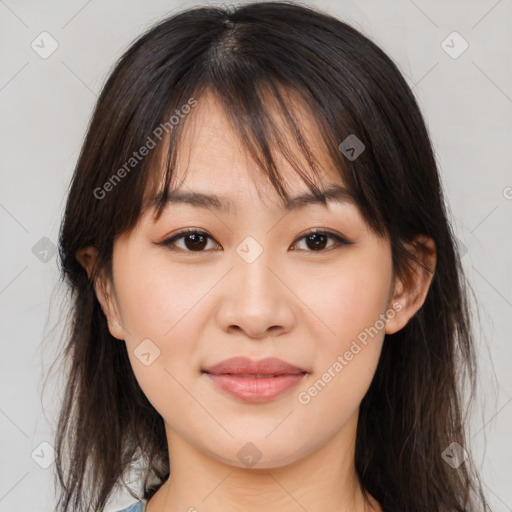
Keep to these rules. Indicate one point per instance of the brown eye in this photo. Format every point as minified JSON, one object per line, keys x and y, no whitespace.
{"x":193,"y":241}
{"x":316,"y":241}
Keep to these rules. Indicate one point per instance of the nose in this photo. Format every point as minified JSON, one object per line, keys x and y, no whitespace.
{"x":256,"y":299}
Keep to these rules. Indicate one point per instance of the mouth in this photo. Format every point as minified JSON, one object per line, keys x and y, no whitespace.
{"x":254,"y":381}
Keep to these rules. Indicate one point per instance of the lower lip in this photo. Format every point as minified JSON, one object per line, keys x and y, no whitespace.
{"x":255,"y":390}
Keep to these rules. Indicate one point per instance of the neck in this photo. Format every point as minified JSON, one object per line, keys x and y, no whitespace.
{"x":323,"y":480}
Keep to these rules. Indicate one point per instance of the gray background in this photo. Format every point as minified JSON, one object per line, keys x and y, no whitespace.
{"x":46,"y":104}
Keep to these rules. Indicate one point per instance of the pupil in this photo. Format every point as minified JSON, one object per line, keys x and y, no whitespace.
{"x":195,"y":238}
{"x":316,"y":243}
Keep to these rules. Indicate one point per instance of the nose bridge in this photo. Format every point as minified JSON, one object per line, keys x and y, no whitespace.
{"x":252,"y":268}
{"x":256,"y":300}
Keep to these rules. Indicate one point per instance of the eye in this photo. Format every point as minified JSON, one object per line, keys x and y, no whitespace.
{"x":317,"y":240}
{"x":196,"y":240}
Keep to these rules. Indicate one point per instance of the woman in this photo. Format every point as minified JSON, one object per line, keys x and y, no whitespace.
{"x":269,"y":308}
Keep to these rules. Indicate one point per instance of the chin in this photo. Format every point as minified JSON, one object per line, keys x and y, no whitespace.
{"x":259,"y":453}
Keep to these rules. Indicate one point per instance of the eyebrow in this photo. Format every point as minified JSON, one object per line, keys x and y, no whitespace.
{"x":334,"y":193}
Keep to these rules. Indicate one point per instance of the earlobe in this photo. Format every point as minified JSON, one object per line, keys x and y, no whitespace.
{"x":107,"y":300}
{"x":410,"y":293}
{"x":104,"y":291}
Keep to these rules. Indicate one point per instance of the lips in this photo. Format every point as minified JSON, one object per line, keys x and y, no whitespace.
{"x":245,"y":367}
{"x":254,"y":381}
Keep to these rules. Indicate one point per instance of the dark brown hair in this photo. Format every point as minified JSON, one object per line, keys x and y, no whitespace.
{"x":254,"y":57}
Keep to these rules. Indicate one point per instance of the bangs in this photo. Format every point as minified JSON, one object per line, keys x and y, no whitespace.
{"x":268,"y":119}
{"x":301,"y":107}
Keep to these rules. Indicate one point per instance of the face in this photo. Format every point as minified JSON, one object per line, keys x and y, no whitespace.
{"x":252,"y":280}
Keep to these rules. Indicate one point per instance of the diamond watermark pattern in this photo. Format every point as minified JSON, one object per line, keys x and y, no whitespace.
{"x":352,"y":147}
{"x":249,"y":454}
{"x":454,"y":45}
{"x":454,"y":455}
{"x":249,"y":249}
{"x":44,"y":45}
{"x":463,"y":250}
{"x":146,"y":352}
{"x":44,"y":250}
{"x":43,"y":455}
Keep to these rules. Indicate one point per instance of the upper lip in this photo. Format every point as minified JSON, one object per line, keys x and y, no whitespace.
{"x":247,"y":366}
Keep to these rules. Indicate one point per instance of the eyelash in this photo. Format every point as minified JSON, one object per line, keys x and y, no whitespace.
{"x":339,"y":241}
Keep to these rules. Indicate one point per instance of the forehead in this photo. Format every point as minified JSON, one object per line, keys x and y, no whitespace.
{"x":212,"y":158}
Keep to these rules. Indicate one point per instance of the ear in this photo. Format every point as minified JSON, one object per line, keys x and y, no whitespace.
{"x":409,"y":294}
{"x":105,"y":291}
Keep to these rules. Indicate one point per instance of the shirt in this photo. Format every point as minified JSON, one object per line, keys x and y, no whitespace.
{"x":138,"y":506}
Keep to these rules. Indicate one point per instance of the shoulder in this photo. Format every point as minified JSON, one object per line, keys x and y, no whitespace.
{"x":138,"y":506}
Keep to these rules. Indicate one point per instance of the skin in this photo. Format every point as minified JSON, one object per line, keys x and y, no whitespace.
{"x":303,"y":306}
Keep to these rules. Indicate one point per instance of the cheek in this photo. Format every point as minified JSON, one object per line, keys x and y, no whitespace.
{"x":163,"y":307}
{"x":349,"y":299}
{"x":159,"y":319}
{"x":348,"y":351}
{"x":158,"y":303}
{"x":350,"y":304}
